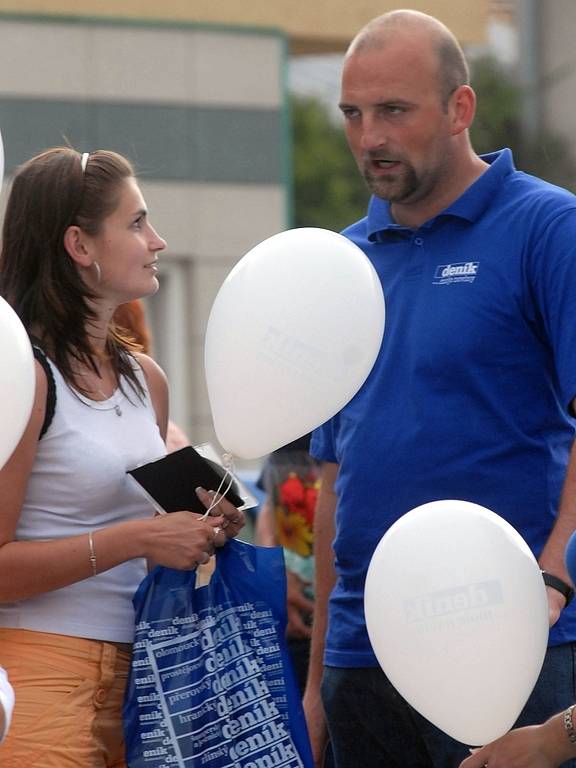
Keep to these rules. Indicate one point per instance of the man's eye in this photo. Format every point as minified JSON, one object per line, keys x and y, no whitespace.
{"x":350,"y":113}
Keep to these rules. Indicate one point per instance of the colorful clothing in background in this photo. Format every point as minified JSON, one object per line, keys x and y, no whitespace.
{"x":291,"y":481}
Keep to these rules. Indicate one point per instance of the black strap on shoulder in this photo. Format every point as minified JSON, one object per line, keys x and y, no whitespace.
{"x":51,"y":393}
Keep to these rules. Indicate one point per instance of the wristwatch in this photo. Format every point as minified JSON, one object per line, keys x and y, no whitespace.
{"x":558,"y":584}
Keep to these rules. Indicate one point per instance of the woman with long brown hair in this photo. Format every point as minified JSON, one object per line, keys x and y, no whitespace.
{"x":74,"y":534}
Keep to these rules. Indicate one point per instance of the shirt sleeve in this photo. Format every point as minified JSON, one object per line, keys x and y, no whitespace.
{"x":323,"y":442}
{"x":552,"y":275}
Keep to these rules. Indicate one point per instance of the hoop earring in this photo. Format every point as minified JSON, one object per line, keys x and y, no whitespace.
{"x":98,"y":272}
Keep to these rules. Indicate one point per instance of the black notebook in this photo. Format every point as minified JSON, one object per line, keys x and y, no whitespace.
{"x":171,"y":481}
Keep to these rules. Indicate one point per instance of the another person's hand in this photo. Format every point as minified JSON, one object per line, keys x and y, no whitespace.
{"x":182,"y":540}
{"x":299,"y":607}
{"x":233,"y":519}
{"x":535,"y":746}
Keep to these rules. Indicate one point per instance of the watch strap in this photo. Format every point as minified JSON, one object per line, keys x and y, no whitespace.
{"x":559,"y":585}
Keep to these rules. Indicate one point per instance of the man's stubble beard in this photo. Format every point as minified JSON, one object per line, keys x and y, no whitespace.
{"x":397,"y":190}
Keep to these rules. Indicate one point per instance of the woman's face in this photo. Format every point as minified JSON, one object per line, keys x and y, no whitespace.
{"x":126,"y":249}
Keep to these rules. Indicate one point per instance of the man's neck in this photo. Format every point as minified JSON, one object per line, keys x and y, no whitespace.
{"x":413,"y":215}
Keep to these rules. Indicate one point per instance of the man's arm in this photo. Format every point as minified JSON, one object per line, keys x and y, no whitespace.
{"x":324,"y":529}
{"x":552,"y":557}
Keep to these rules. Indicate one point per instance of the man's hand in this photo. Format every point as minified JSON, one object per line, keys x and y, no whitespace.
{"x":556,"y":604}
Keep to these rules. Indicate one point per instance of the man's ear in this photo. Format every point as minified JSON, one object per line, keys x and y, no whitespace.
{"x":77,"y":247}
{"x":463,"y":108}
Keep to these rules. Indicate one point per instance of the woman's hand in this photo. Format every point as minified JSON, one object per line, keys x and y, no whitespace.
{"x":233,"y":520}
{"x":534,"y":746}
{"x":182,"y":540}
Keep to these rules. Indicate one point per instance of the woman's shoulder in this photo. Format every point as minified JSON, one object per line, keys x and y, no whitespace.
{"x":155,"y":376}
{"x":157,"y":384}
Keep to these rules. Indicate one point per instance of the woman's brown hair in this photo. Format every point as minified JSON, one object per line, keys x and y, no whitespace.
{"x":130,"y":319}
{"x":38,"y":278}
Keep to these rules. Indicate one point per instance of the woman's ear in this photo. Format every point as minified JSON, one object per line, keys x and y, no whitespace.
{"x":76,"y":246}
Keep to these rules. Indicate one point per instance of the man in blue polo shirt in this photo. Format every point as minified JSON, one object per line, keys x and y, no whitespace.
{"x":472,"y":394}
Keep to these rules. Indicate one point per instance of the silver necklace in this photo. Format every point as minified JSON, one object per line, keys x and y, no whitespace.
{"x":113,"y":407}
{"x":94,"y":404}
{"x":90,"y":403}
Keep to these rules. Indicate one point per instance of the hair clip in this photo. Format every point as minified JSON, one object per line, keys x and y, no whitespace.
{"x":84,"y":161}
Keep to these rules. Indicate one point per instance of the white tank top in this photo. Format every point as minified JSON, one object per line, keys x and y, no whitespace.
{"x":79,"y":483}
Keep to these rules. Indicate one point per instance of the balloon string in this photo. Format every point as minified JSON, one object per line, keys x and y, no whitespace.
{"x":219,"y":494}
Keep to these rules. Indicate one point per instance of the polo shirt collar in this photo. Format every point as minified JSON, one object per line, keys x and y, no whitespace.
{"x":470,"y":205}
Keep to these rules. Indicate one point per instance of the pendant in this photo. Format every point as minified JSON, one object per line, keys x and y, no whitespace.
{"x":117,"y":410}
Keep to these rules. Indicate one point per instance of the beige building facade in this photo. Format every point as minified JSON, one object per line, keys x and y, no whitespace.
{"x":555,"y":68}
{"x":195,"y":94}
{"x":310,"y":25}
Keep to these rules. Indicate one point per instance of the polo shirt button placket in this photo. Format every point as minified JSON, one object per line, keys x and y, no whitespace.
{"x":418,"y":241}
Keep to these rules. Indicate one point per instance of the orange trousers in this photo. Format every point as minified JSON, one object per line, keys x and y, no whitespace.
{"x":69,"y":696}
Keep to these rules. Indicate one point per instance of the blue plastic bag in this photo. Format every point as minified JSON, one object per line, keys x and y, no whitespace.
{"x":211,"y":683}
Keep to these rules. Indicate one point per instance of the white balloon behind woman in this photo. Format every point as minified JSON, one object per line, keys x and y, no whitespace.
{"x":17,"y":380}
{"x":17,"y":376}
{"x":1,"y":161}
{"x":293,"y":333}
{"x":457,"y":615}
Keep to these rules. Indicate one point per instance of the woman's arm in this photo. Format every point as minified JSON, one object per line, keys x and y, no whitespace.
{"x":27,"y":568}
{"x":535,"y":746}
{"x":232,"y":519}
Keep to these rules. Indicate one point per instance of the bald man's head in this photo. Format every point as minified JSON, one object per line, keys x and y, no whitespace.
{"x":419,"y":29}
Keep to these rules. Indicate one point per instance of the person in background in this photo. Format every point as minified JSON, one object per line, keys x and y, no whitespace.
{"x":473,"y":392}
{"x":290,"y":481}
{"x":131,"y":319}
{"x":75,"y":535}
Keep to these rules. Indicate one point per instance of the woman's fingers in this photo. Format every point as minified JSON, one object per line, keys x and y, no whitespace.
{"x":233,"y":518}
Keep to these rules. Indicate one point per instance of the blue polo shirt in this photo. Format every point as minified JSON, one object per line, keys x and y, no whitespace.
{"x":469,"y":397}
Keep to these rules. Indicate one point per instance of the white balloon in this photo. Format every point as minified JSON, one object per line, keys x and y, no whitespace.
{"x":17,"y":380}
{"x":457,"y":615}
{"x":1,"y":161}
{"x":293,"y":333}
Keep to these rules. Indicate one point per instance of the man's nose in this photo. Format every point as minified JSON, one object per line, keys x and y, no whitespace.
{"x":372,"y":136}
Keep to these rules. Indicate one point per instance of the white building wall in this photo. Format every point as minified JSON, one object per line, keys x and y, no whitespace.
{"x":201,"y":112}
{"x":557,"y":26}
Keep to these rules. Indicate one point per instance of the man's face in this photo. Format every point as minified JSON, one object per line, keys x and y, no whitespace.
{"x":396,"y":126}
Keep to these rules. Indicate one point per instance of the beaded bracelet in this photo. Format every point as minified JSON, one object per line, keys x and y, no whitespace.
{"x":569,"y":723}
